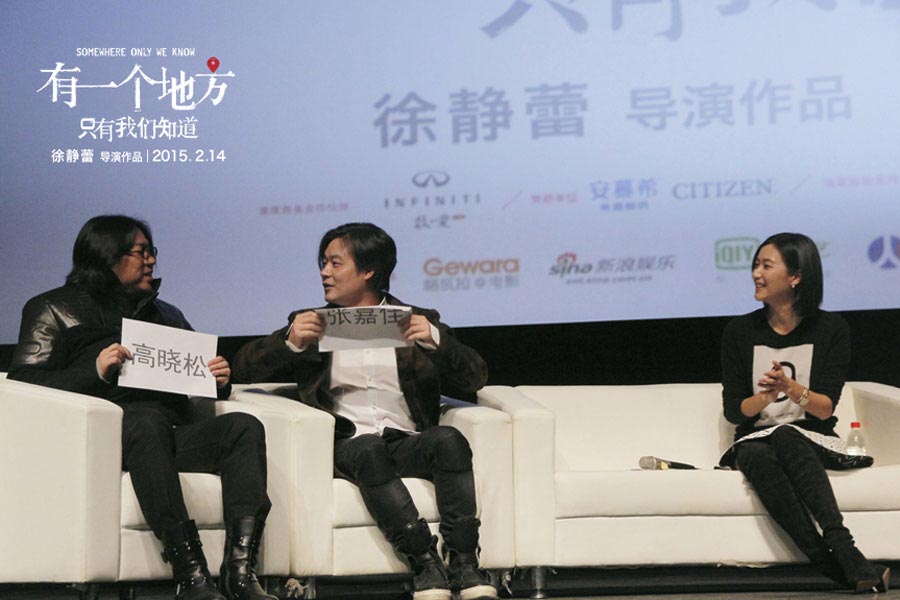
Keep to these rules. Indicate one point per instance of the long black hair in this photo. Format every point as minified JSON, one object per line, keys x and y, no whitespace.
{"x":102,"y":241}
{"x":801,"y":257}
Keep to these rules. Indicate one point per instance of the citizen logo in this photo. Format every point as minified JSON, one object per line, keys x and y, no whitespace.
{"x":738,"y":188}
{"x":424,"y":179}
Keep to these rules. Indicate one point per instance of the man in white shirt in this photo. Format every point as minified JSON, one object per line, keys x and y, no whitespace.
{"x":386,"y":404}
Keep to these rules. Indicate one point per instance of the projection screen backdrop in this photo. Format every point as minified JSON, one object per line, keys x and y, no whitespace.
{"x":537,"y":161}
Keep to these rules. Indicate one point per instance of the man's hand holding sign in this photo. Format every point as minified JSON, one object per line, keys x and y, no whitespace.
{"x":357,"y":328}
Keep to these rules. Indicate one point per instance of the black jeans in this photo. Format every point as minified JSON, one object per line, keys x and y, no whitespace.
{"x":439,"y":454}
{"x":155,"y":450}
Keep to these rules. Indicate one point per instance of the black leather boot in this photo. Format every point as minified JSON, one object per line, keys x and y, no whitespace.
{"x":805,"y":469}
{"x":822,"y":559}
{"x":861,"y":576}
{"x":237,"y":577}
{"x":466,"y":579}
{"x":429,"y":572}
{"x":184,"y":552}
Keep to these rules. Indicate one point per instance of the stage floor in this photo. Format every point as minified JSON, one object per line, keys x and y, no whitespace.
{"x":167,"y":594}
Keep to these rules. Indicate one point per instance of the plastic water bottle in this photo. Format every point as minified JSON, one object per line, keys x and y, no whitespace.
{"x":856,"y":443}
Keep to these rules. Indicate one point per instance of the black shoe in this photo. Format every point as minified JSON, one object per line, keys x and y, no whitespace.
{"x":429,"y":576}
{"x":237,"y":577}
{"x":467,"y":580}
{"x":861,"y":576}
{"x":884,"y":583}
{"x":184,"y":552}
{"x":822,"y":559}
{"x":429,"y":572}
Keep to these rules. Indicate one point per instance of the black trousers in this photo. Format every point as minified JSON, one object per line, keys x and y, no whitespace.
{"x":155,"y":449}
{"x":790,"y":480}
{"x":439,"y":454}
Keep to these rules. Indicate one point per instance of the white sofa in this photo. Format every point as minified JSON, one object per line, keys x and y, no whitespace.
{"x":69,"y":511}
{"x":580,"y":500}
{"x":332,"y":533}
{"x":75,"y":518}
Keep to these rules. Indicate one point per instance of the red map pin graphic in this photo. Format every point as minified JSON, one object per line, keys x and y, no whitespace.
{"x":212,"y":63}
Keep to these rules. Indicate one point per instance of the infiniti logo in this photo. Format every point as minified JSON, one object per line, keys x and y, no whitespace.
{"x":424,"y":179}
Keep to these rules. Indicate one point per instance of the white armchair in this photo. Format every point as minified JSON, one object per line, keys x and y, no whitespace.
{"x":333,"y":533}
{"x":72,"y":510}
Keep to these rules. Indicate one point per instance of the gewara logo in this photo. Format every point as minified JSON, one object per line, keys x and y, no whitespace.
{"x":486,"y":266}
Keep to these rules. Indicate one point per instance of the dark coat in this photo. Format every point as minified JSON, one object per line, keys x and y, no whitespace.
{"x":63,"y":330}
{"x":452,"y":369}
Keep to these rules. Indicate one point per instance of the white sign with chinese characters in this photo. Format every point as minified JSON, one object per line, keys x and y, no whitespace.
{"x":168,"y":359}
{"x":362,"y":327}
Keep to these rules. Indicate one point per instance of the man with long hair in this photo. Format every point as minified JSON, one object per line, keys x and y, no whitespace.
{"x":70,"y":339}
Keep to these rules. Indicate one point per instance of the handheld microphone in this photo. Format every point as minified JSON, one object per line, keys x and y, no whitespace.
{"x":652,"y":463}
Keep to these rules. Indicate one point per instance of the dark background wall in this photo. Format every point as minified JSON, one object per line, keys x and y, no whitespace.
{"x":635,"y":352}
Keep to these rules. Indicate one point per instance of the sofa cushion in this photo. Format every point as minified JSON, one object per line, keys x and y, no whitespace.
{"x":350,"y":511}
{"x":601,"y":428}
{"x":705,"y":492}
{"x":202,"y":496}
{"x":873,"y":489}
{"x":647,"y":493}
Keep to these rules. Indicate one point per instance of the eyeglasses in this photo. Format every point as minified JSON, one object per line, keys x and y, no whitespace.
{"x":144,"y":252}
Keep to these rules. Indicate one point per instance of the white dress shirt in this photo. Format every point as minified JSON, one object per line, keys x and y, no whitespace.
{"x":366,"y":390}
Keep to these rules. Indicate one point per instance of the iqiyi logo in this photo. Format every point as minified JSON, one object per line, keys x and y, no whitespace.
{"x":735,"y":254}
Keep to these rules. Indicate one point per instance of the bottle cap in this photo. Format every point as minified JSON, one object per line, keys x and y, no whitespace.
{"x":854,"y":425}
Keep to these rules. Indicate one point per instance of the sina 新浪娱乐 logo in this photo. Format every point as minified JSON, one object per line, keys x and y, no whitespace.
{"x":567,"y":264}
{"x":885,"y":251}
{"x":610,"y":268}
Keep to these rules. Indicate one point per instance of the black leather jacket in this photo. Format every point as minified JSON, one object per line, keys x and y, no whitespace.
{"x":64,"y":330}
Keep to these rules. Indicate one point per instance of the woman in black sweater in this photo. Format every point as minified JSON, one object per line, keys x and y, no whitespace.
{"x":783,"y":368}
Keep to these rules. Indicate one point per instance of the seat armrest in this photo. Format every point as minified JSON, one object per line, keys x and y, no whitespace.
{"x":61,"y":465}
{"x":489,"y":433}
{"x":878,"y":409}
{"x":308,"y":472}
{"x":534,"y":464}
